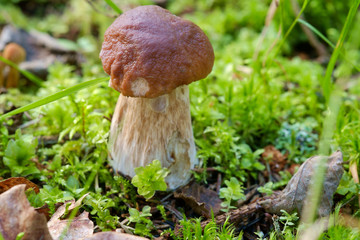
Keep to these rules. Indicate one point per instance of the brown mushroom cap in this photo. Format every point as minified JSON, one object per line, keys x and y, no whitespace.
{"x":148,"y":52}
{"x":14,"y":53}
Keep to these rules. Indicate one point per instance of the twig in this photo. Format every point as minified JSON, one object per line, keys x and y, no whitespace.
{"x":167,"y":197}
{"x":218,"y":183}
{"x":125,"y":227}
{"x":355,"y":175}
{"x":237,"y":217}
{"x":314,"y":42}
{"x":270,"y":15}
{"x":174,"y":211}
{"x":162,"y":226}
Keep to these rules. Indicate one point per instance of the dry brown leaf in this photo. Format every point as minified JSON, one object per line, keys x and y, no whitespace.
{"x":16,"y":216}
{"x":201,"y":199}
{"x":10,"y":182}
{"x":114,"y":236}
{"x":293,"y":196}
{"x":77,"y":228}
{"x":45,"y":209}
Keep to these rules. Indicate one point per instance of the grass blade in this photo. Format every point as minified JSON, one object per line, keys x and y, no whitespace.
{"x":317,"y":32}
{"x":113,"y":6}
{"x":27,"y":74}
{"x":334,"y":101}
{"x":282,"y":41}
{"x":326,"y":83}
{"x":54,"y":97}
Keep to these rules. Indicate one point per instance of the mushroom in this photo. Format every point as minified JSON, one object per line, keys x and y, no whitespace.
{"x":152,"y":56}
{"x":16,"y":54}
{"x":2,"y":66}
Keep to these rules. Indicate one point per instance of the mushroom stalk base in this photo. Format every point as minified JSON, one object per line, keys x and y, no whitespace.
{"x":143,"y":130}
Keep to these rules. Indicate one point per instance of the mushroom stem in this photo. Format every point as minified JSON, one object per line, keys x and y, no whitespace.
{"x":2,"y":66}
{"x":13,"y":78}
{"x":143,"y":130}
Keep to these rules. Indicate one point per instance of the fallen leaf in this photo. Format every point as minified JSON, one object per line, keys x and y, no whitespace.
{"x":201,"y":199}
{"x":68,"y":206}
{"x":10,"y":182}
{"x":77,"y":228}
{"x":293,"y":196}
{"x":46,"y":210}
{"x":114,"y":236}
{"x":16,"y":216}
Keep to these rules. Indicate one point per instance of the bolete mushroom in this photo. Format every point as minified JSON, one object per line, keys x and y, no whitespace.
{"x":16,"y":54}
{"x":151,"y":56}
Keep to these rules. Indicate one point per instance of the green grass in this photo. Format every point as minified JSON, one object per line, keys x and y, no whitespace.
{"x":54,"y":97}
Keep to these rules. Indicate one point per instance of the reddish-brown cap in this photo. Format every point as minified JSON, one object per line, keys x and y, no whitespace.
{"x":148,"y":52}
{"x":14,"y":53}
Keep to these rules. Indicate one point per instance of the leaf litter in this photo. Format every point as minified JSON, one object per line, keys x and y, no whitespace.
{"x":292,"y":197}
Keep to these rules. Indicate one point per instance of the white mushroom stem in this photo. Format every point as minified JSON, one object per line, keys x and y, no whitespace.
{"x":143,"y":130}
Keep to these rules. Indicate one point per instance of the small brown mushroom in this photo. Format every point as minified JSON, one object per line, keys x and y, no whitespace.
{"x":2,"y":67}
{"x":151,"y":56}
{"x":16,"y":54}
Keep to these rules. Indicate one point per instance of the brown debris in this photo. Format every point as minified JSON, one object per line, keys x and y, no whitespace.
{"x":237,"y":217}
{"x":292,"y":197}
{"x":200,"y":199}
{"x":45,"y":210}
{"x":16,"y":216}
{"x":275,"y":159}
{"x":11,"y":182}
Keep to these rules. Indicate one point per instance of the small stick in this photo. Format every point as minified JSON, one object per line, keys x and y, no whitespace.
{"x":218,"y":183}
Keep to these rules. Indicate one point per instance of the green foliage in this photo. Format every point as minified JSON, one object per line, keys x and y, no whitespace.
{"x":18,"y":155}
{"x":232,"y":192}
{"x":143,"y":225}
{"x":101,"y":210}
{"x":231,"y":156}
{"x":270,"y":186}
{"x":52,"y":195}
{"x":150,"y":179}
{"x":267,"y":188}
{"x":341,"y":232}
{"x":162,"y":210}
{"x":20,"y":236}
{"x":298,"y":140}
{"x":53,"y":97}
{"x":190,"y":229}
{"x":348,"y":187}
{"x":285,"y":226}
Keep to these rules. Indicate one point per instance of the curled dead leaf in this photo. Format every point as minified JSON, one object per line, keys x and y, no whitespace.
{"x":10,"y":182}
{"x":293,"y":196}
{"x":76,"y":228}
{"x":16,"y":216}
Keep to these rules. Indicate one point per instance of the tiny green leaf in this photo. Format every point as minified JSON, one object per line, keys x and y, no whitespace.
{"x":150,"y":179}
